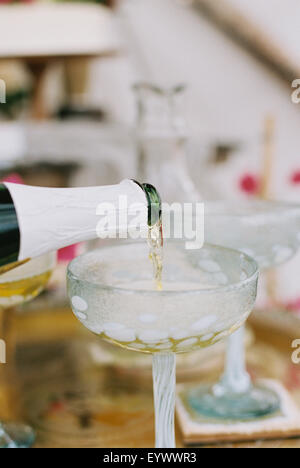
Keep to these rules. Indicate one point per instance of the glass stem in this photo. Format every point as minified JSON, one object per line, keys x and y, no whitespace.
{"x":236,"y":379}
{"x":164,"y":384}
{"x":3,"y":434}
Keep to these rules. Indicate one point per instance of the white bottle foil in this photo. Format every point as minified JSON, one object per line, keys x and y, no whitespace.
{"x":51,"y":218}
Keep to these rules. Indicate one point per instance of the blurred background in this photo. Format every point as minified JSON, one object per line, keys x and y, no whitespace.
{"x":72,"y":118}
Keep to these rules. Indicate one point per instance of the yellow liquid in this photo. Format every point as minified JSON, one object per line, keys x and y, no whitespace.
{"x":173,"y":346}
{"x":191,"y":343}
{"x":11,"y":266}
{"x":13,"y":293}
{"x":155,"y":241}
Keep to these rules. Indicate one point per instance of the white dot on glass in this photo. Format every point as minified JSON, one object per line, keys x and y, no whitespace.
{"x":180,"y":334}
{"x":187,"y":343}
{"x":125,"y":335}
{"x":221,"y":278}
{"x":210,"y":266}
{"x":147,"y":318}
{"x":153,"y":336}
{"x":112,"y":326}
{"x":79,"y":304}
{"x":97,"y":329}
{"x":81,"y":315}
{"x":164,"y":346}
{"x":221,"y":327}
{"x":206,"y":337}
{"x":204,"y":323}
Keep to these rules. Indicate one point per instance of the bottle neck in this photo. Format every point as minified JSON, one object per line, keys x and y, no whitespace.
{"x":154,"y":203}
{"x":49,"y":219}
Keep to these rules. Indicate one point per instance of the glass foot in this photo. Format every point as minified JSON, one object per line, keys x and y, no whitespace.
{"x":256,"y":403}
{"x":15,"y":435}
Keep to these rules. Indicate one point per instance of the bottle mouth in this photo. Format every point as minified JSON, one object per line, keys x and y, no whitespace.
{"x":154,"y":203}
{"x":155,"y":88}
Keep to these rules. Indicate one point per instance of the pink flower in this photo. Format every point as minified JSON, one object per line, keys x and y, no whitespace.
{"x":14,"y":178}
{"x":250,"y":184}
{"x":68,"y":253}
{"x":295,"y":178}
{"x":294,"y":306}
{"x":3,"y":2}
{"x":292,"y":379}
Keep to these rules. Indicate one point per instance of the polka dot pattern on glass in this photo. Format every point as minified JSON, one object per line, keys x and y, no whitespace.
{"x":81,"y":315}
{"x":153,"y":336}
{"x":204,"y":323}
{"x":125,"y":335}
{"x":147,"y":318}
{"x":187,"y":343}
{"x":79,"y":304}
{"x":210,"y":266}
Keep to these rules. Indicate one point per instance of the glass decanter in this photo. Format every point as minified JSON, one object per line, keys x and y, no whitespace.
{"x":162,"y":142}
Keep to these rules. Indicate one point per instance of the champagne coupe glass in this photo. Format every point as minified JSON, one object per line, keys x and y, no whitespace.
{"x":113,"y":294}
{"x":269,"y":232}
{"x":17,"y":287}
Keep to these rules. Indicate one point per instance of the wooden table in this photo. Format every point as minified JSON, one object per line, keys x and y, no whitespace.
{"x":76,"y":395}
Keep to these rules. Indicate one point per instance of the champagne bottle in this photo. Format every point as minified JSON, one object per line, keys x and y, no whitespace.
{"x":37,"y":220}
